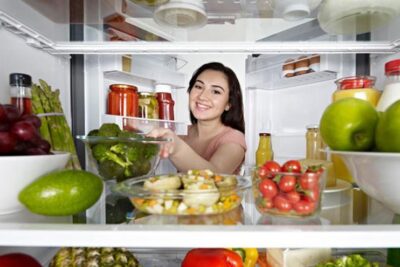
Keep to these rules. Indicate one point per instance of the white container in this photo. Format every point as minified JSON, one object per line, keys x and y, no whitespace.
{"x":19,"y":171}
{"x":294,"y":9}
{"x":391,"y":91}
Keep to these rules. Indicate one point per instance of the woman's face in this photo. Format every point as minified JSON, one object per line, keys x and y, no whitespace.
{"x":209,"y":96}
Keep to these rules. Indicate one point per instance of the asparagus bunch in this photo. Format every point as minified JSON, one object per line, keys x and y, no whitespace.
{"x":55,"y":128}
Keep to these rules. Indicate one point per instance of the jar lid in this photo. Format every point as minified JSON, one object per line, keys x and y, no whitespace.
{"x":355,"y":82}
{"x":123,"y":87}
{"x":392,"y":67}
{"x":264,"y":134}
{"x":163,"y":88}
{"x":312,"y":127}
{"x":20,"y":79}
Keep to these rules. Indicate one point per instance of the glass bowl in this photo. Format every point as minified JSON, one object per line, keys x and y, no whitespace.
{"x":122,"y":158}
{"x":185,"y":194}
{"x":287,"y":193}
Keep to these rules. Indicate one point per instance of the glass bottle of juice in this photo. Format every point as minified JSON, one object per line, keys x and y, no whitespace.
{"x":20,"y":92}
{"x":315,"y":155}
{"x":264,"y":151}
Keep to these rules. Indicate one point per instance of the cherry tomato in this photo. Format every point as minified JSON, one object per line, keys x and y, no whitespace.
{"x":304,"y":207}
{"x":262,"y":173}
{"x":315,"y":169}
{"x":272,"y":166}
{"x":312,"y":195}
{"x":287,"y":183}
{"x":268,"y":188}
{"x":282,"y":204}
{"x":309,"y":180}
{"x":266,"y":203}
{"x":292,"y":197}
{"x":292,"y":166}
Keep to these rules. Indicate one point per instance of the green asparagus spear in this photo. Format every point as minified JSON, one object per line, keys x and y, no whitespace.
{"x":37,"y":108}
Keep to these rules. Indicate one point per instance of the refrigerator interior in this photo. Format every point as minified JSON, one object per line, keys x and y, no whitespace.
{"x":36,"y":40}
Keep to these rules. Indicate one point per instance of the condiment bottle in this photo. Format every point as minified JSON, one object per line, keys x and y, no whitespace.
{"x":264,"y":151}
{"x":165,"y":102}
{"x":361,"y":87}
{"x":288,"y":68}
{"x":391,"y":91}
{"x":20,"y":92}
{"x":315,"y":155}
{"x":123,"y":100}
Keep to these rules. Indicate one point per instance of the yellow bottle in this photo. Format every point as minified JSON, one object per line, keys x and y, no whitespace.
{"x":264,"y":151}
{"x":315,"y":155}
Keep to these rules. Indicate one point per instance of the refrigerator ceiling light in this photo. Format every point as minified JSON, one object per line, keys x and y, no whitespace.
{"x":188,"y":14}
{"x":356,"y":16}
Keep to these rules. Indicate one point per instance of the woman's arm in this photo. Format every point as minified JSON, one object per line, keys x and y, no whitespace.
{"x":225,"y":160}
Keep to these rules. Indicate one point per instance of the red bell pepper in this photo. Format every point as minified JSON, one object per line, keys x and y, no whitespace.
{"x":18,"y":260}
{"x":212,"y":257}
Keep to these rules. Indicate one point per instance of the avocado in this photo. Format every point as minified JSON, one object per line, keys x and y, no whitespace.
{"x":62,"y":193}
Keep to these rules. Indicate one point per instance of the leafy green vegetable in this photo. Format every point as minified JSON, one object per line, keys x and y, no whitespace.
{"x":122,"y":159}
{"x":354,"y":260}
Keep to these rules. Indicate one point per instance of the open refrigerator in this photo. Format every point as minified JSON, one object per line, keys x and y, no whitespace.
{"x":81,"y":47}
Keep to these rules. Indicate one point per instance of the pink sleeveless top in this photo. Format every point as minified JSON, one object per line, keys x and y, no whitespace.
{"x":228,"y":135}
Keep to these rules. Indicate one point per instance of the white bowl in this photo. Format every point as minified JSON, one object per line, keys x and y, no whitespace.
{"x":377,"y":174}
{"x":356,"y":16}
{"x":19,"y":171}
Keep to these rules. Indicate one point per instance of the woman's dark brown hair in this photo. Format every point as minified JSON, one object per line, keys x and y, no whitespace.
{"x":234,"y":116}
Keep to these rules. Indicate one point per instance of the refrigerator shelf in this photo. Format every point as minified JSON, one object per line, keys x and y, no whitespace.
{"x":186,"y":236}
{"x":265,"y":82}
{"x":145,"y":78}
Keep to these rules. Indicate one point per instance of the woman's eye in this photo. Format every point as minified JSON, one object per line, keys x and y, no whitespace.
{"x":216,"y":92}
{"x":197,"y":87}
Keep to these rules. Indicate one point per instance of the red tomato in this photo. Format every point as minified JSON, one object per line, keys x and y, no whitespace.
{"x":272,"y":166}
{"x":292,"y":197}
{"x":287,"y":183}
{"x":18,"y":260}
{"x":268,"y":188}
{"x":282,"y":204}
{"x":316,"y":169}
{"x":262,"y":173}
{"x":292,"y":166}
{"x":304,"y":207}
{"x":312,"y":195}
{"x":309,"y":180}
{"x":267,"y":203}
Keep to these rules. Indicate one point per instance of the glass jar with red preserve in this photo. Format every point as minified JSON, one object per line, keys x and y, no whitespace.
{"x":123,"y":100}
{"x":165,"y":102}
{"x":20,"y":92}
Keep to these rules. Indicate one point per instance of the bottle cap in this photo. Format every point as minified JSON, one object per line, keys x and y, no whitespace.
{"x":265,"y":134}
{"x":163,"y":88}
{"x":20,"y":79}
{"x":392,"y":67}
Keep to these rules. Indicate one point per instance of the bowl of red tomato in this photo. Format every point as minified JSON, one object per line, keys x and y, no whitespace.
{"x":288,"y":189}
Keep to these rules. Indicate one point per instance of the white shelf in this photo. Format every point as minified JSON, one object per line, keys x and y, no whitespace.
{"x":131,"y":78}
{"x":258,"y":81}
{"x":186,"y":236}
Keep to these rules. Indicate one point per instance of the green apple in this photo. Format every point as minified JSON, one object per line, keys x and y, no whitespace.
{"x":387,"y":136}
{"x":349,"y":124}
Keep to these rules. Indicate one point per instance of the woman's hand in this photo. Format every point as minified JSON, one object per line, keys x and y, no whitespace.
{"x":169,"y":147}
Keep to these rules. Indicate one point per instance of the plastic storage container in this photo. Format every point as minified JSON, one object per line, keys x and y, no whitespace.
{"x":391,"y":92}
{"x":361,"y":87}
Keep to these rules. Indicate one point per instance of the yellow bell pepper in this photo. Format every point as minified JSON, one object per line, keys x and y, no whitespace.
{"x":249,"y":256}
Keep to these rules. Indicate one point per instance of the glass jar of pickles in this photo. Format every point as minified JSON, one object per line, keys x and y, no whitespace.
{"x":148,"y":105}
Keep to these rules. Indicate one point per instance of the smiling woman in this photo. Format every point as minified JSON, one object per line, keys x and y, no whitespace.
{"x":216,"y":139}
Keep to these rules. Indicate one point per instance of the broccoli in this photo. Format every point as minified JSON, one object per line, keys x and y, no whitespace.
{"x":121,"y":159}
{"x":109,"y":169}
{"x":99,"y":151}
{"x":94,"y":132}
{"x":109,"y":130}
